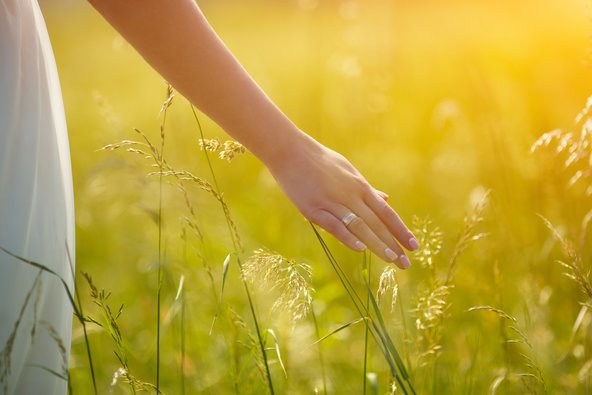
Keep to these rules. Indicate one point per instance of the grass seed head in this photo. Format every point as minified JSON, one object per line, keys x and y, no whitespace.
{"x":430,"y":238}
{"x":388,"y":283}
{"x":291,"y":278}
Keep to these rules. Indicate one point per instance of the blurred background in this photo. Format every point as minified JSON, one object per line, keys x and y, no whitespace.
{"x":435,"y":102}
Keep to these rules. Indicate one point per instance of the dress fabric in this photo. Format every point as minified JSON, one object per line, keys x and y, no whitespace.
{"x":36,"y":209}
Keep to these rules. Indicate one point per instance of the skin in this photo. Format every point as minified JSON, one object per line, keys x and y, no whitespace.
{"x":177,"y":40}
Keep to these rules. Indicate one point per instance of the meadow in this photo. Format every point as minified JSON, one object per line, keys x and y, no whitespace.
{"x":440,"y":104}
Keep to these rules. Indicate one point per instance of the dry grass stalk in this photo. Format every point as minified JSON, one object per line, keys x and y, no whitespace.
{"x":226,"y":151}
{"x":251,"y":344}
{"x":59,"y":342}
{"x":109,"y":323}
{"x":432,"y":304}
{"x":573,"y":149}
{"x":152,"y":153}
{"x":290,"y":278}
{"x":430,"y":312}
{"x":468,"y":235}
{"x":574,"y":263}
{"x":533,"y":379}
{"x":388,"y":283}
{"x":430,"y":239}
{"x":6,"y":354}
{"x":432,"y":307}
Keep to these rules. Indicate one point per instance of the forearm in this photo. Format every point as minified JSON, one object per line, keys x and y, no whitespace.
{"x":176,"y":39}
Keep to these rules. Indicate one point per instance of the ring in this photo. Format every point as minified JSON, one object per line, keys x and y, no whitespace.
{"x":348,"y":218}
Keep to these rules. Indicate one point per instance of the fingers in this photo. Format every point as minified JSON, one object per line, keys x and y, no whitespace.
{"x":378,"y":229}
{"x":392,"y":221}
{"x":375,"y":226}
{"x":372,"y":232}
{"x":383,"y":195}
{"x":334,"y":226}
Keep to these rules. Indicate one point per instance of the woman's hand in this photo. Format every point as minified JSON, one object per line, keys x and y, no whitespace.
{"x":328,"y":189}
{"x":176,"y":39}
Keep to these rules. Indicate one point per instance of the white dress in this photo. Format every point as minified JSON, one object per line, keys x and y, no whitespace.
{"x":36,"y":209}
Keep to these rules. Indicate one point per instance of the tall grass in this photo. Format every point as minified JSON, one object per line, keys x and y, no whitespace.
{"x":424,"y":344}
{"x":374,"y":296}
{"x":429,"y":126}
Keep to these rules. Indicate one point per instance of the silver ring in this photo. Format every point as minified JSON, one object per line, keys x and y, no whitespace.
{"x":348,"y":218}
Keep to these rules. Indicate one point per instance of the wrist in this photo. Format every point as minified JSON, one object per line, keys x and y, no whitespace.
{"x":287,"y":147}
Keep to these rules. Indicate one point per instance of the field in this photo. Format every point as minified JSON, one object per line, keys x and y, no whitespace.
{"x":439,"y":105}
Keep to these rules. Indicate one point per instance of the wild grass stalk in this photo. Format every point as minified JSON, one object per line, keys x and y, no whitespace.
{"x":320,"y":349}
{"x":533,"y":371}
{"x":82,"y":322}
{"x":406,"y":340}
{"x":182,"y":346}
{"x":570,"y":154}
{"x":149,"y":151}
{"x":288,"y":279}
{"x":291,"y":282}
{"x":377,"y":331}
{"x":109,"y":323}
{"x":6,"y":353}
{"x":432,"y":307}
{"x":237,"y":251}
{"x":52,"y":272}
{"x":468,"y":235}
{"x":388,"y":283}
{"x":225,"y":267}
{"x":252,"y":344}
{"x":367,"y":270}
{"x":77,"y":308}
{"x":574,"y":264}
{"x":59,"y":342}
{"x":167,"y":103}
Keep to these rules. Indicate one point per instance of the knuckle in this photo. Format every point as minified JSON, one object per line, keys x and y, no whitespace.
{"x":331,"y":227}
{"x":367,"y":191}
{"x":384,"y":208}
{"x":311,"y":211}
{"x":315,"y":216}
{"x":356,"y":223}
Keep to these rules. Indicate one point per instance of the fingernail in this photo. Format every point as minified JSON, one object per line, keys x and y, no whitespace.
{"x":405,"y":263}
{"x":360,"y":246}
{"x":413,"y":244}
{"x":390,"y":254}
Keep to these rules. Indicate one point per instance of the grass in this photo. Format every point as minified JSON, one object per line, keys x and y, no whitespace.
{"x":434,"y":112}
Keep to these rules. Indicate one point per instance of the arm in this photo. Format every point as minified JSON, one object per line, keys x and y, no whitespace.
{"x":176,"y":39}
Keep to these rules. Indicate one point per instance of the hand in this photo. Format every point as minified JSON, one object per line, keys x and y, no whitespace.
{"x":326,"y":187}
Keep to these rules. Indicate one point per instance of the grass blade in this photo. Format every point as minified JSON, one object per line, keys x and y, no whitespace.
{"x":237,"y":248}
{"x":366,"y":265}
{"x":321,"y":357}
{"x":379,"y":338}
{"x":277,"y":351}
{"x":225,"y":266}
{"x":339,"y":329}
{"x":389,"y":342}
{"x":83,"y":323}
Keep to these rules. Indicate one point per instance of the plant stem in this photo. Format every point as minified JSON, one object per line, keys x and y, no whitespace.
{"x":406,"y":352}
{"x":82,"y":322}
{"x":366,"y":267}
{"x":321,"y":357}
{"x":237,"y":250}
{"x":380,"y":334}
{"x":159,"y":285}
